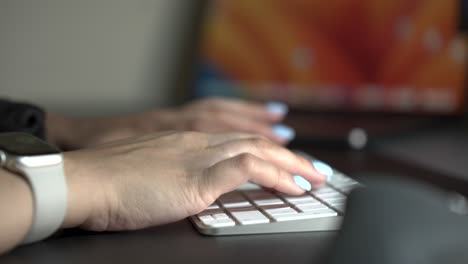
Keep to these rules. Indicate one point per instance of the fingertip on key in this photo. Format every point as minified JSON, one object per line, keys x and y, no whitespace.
{"x":302,"y":183}
{"x":323,"y":169}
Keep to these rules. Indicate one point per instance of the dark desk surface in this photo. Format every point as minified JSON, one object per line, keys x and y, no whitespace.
{"x":180,"y":242}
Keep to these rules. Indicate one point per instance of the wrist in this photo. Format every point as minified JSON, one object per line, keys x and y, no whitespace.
{"x":85,"y":191}
{"x":62,"y":131}
{"x":167,"y":119}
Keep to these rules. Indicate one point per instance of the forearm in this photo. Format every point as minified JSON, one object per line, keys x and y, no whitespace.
{"x":69,"y":133}
{"x":85,"y":187}
{"x":16,"y":207}
{"x":84,"y":191}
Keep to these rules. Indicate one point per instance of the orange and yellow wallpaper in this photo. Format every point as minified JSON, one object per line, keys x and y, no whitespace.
{"x":399,"y":55}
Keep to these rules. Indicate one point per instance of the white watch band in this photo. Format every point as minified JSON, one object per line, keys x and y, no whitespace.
{"x":49,"y":190}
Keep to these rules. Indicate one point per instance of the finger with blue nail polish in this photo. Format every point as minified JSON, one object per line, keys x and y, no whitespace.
{"x":284,"y":132}
{"x":323,"y":168}
{"x":303,"y":183}
{"x":277,"y":108}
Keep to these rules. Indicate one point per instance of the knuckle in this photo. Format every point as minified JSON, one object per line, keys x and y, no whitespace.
{"x":263,"y":137}
{"x":279,"y":174}
{"x":260,"y":143}
{"x":302,"y":161}
{"x":247,"y":162}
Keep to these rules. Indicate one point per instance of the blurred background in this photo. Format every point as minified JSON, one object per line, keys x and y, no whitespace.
{"x":92,"y":57}
{"x":114,"y":56}
{"x":360,"y":55}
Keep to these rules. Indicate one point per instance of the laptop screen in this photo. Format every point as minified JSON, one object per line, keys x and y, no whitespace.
{"x":341,"y":55}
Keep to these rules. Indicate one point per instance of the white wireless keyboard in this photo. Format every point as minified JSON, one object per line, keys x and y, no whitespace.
{"x":252,"y":209}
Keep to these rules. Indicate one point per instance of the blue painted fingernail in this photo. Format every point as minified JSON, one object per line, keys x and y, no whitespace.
{"x":283,"y":131}
{"x":277,"y":108}
{"x":323,"y":168}
{"x":303,"y":183}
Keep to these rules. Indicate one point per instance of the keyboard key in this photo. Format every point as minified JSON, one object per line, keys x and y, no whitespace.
{"x":250,"y":217}
{"x":305,"y":215}
{"x":310,"y":207}
{"x":220,"y":216}
{"x":310,"y":200}
{"x":339,"y":207}
{"x":343,"y":184}
{"x":338,"y":178}
{"x":343,"y":181}
{"x":209,"y":220}
{"x":330,"y":195}
{"x":335,"y":200}
{"x":261,"y":197}
{"x":293,"y":199}
{"x":237,"y":205}
{"x":206,"y":218}
{"x":268,"y":202}
{"x":211,"y":212}
{"x":233,"y":200}
{"x":249,"y":186}
{"x":323,"y":190}
{"x":213,"y":206}
{"x":348,"y":188}
{"x":280,"y":211}
{"x":325,"y":211}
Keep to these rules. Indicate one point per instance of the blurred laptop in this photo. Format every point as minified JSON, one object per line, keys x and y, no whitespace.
{"x":384,"y":67}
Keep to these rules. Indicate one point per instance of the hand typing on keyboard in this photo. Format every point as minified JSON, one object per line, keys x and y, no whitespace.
{"x":161,"y":178}
{"x":252,"y":209}
{"x":155,"y":179}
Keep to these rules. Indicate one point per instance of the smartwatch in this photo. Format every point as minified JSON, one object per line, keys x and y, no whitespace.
{"x":42,"y":166}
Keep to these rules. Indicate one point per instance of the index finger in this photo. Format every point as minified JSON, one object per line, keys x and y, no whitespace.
{"x":231,"y":173}
{"x":271,"y":152}
{"x":272,"y":112}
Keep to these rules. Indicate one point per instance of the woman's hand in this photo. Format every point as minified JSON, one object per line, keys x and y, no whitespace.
{"x":161,"y":178}
{"x":223,"y":115}
{"x":213,"y":115}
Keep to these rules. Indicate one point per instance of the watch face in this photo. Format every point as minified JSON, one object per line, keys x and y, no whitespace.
{"x":22,"y":144}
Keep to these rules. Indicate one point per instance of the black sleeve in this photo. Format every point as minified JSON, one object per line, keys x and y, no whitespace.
{"x":21,"y":117}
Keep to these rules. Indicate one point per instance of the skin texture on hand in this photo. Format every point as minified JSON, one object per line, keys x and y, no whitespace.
{"x":161,"y":178}
{"x":154,"y":179}
{"x":223,"y":115}
{"x":214,"y":115}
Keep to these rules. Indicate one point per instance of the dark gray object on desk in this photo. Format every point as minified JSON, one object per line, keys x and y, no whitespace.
{"x":403,"y":223}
